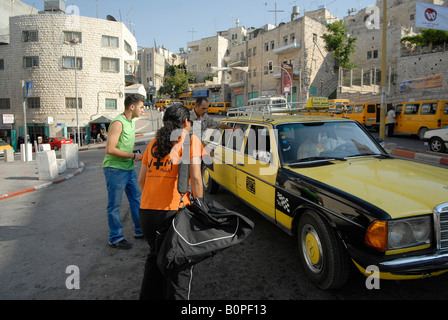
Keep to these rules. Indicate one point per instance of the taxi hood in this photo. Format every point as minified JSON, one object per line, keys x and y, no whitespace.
{"x":399,"y":187}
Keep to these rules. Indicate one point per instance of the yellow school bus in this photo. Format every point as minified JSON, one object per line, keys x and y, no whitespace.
{"x":417,"y":117}
{"x":220,"y":108}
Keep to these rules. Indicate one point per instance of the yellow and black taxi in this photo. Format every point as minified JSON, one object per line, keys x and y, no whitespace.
{"x":330,"y":184}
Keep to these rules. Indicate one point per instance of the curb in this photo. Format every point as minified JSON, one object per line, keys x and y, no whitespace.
{"x":421,"y":156}
{"x":45,"y":185}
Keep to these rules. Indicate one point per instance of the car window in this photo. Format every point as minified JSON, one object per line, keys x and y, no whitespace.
{"x":398,"y":109}
{"x":371,"y":108}
{"x":411,"y":108}
{"x":226,"y":135}
{"x":320,"y":140}
{"x":258,"y":144}
{"x":359,"y":108}
{"x":237,"y":137}
{"x":428,"y":108}
{"x":445,"y":110}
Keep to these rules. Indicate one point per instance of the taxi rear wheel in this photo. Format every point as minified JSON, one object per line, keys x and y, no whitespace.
{"x":321,"y":252}
{"x":210,"y":186}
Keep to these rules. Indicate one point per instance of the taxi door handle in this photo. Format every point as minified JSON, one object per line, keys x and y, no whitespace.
{"x":240,"y":164}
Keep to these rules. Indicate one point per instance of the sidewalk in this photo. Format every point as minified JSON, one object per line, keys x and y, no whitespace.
{"x":19,"y":177}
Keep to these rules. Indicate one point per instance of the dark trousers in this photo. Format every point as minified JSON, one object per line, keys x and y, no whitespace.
{"x":156,"y":286}
{"x":390,"y":129}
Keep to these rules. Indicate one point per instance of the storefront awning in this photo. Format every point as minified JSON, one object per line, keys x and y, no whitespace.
{"x":135,"y":88}
{"x":102,"y":119}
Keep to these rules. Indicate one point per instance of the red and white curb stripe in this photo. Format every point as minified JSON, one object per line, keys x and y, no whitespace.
{"x":45,"y":185}
{"x":425,"y":157}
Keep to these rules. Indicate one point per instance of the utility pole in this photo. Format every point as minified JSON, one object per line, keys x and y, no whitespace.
{"x":25,"y":132}
{"x":383,"y":75}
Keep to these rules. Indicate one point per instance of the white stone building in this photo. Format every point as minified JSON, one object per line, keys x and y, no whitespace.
{"x":39,"y":50}
{"x":152,"y":65}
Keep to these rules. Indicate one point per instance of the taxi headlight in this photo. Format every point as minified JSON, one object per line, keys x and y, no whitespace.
{"x":409,"y":232}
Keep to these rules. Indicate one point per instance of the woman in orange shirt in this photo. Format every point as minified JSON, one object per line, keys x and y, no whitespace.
{"x":160,"y":199}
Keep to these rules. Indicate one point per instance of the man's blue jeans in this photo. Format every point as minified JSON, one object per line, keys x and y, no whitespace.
{"x":117,"y":181}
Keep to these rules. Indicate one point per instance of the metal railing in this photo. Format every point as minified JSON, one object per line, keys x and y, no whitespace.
{"x":283,"y":108}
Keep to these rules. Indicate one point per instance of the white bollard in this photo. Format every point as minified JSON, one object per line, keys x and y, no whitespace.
{"x":70,"y":152}
{"x":62,"y":165}
{"x":29,"y":152}
{"x":47,"y":166}
{"x":9,"y":155}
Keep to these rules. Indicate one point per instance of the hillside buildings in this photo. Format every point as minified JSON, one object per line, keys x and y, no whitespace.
{"x":403,"y":64}
{"x":251,"y":63}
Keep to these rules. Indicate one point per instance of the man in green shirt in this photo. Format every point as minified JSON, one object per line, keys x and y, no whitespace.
{"x":119,"y":170}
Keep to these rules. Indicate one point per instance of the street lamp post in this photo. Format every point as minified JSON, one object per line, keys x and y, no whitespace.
{"x":383,"y":74}
{"x":290,"y":80}
{"x":78,"y":140}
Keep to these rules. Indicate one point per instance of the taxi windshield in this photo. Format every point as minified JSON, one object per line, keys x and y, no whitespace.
{"x":316,"y":141}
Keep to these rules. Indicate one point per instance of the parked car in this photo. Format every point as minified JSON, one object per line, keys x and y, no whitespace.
{"x":329,"y":183}
{"x":436,"y":139}
{"x":57,"y":142}
{"x":3,"y":147}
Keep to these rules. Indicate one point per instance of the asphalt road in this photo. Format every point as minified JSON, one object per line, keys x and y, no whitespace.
{"x":44,"y":232}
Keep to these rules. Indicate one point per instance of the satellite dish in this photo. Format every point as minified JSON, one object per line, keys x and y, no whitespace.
{"x":110,"y":18}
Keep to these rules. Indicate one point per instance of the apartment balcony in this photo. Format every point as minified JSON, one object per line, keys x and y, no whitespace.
{"x":278,"y":73}
{"x":288,"y":48}
{"x":240,"y":62}
{"x":236,"y":84}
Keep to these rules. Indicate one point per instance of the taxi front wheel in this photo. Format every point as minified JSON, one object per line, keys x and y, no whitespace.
{"x":321,"y":252}
{"x":210,"y":186}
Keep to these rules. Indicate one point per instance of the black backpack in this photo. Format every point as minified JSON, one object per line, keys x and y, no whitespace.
{"x":200,"y":230}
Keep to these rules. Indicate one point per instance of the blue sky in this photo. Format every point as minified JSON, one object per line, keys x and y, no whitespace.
{"x":170,"y":22}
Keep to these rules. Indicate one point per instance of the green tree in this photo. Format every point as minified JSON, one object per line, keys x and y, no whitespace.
{"x":427,"y":38}
{"x":338,"y":41}
{"x":176,"y":80}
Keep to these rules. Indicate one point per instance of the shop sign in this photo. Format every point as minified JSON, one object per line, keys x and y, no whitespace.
{"x":8,"y":118}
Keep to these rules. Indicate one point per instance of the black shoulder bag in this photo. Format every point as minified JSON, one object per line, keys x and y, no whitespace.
{"x":200,"y":230}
